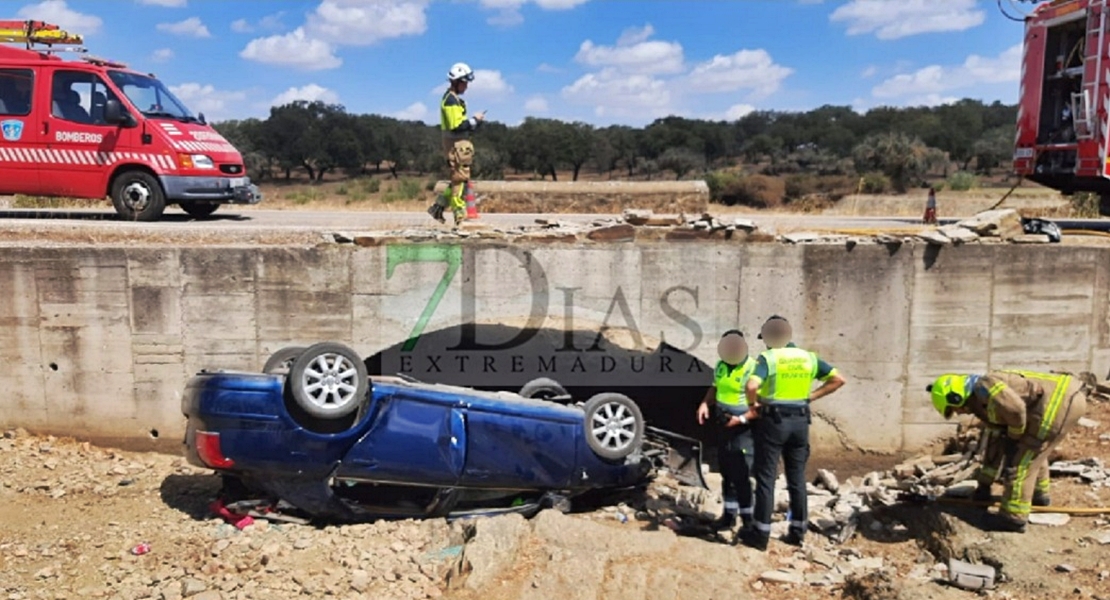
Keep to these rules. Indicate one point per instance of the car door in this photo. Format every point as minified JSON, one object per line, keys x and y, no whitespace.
{"x":520,"y":444}
{"x":417,"y":438}
{"x":80,"y":146}
{"x":19,"y":172}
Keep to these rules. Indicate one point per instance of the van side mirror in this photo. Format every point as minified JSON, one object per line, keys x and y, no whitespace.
{"x":200,"y":117}
{"x":114,"y":115}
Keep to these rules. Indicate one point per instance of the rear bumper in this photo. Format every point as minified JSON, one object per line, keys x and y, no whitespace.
{"x":225,"y":190}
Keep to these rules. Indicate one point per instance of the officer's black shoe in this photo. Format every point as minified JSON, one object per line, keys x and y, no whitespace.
{"x":1004,"y":522}
{"x":1041,"y":499}
{"x":725,"y":521}
{"x":754,"y":539}
{"x":794,"y":538}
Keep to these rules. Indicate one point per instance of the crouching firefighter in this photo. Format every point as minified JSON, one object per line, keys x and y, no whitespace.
{"x":726,"y":404}
{"x":1037,"y":411}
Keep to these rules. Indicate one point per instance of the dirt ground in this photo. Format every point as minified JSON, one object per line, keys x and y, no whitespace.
{"x":71,"y":513}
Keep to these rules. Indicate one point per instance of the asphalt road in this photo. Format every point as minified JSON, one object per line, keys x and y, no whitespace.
{"x":230,"y":219}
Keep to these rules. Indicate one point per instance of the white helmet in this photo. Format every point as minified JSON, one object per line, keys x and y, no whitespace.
{"x":460,"y":71}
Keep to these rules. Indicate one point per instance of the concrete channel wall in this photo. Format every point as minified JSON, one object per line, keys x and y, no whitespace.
{"x":97,"y":343}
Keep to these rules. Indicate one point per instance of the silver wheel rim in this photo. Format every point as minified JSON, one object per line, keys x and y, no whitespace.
{"x":330,"y":382}
{"x":136,"y":196}
{"x":613,"y":426}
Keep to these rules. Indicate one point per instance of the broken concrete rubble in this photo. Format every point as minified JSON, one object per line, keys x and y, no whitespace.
{"x":1003,"y":223}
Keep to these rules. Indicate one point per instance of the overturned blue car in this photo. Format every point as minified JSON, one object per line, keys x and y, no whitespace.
{"x":314,"y":432}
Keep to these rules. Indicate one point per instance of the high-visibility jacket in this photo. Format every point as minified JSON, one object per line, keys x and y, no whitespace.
{"x":786,"y":375}
{"x":452,"y":117}
{"x":730,"y":381}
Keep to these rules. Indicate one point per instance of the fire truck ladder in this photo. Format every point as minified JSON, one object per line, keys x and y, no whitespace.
{"x":31,"y":33}
{"x":1087,"y":103}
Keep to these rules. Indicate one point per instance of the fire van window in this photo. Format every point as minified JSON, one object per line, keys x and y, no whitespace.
{"x":15,"y":92}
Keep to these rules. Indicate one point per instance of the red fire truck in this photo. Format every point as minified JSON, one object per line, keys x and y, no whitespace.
{"x":93,"y":128}
{"x":1064,"y":103}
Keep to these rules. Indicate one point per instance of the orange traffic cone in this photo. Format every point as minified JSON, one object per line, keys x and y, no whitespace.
{"x":471,"y":202}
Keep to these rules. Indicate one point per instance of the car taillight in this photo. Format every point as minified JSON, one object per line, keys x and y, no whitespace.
{"x":208,"y":449}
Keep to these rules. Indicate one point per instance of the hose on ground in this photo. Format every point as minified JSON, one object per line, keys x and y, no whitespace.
{"x":1068,"y":510}
{"x":1085,"y":232}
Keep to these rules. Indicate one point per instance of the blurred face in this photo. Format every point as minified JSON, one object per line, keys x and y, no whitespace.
{"x":732,"y":349}
{"x":776,"y":334}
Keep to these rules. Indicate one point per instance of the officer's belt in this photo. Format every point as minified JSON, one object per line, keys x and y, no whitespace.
{"x":788,"y":409}
{"x":733,"y":409}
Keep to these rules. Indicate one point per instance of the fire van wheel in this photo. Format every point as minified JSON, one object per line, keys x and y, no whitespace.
{"x":199,"y":210}
{"x":138,"y":196}
{"x":543,"y":388}
{"x":329,"y":381}
{"x":614,"y":425}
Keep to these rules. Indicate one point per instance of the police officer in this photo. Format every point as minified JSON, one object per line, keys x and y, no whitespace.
{"x":779,"y":391}
{"x":727,"y":403}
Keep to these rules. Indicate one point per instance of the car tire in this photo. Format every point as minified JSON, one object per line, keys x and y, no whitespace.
{"x":138,"y":196}
{"x":328,"y":380}
{"x":281,"y":362}
{"x":199,"y":210}
{"x":614,"y":425}
{"x":543,"y":388}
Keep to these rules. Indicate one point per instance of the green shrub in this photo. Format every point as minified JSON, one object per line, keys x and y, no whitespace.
{"x":800,"y":185}
{"x":404,"y":189}
{"x":371,"y":185}
{"x":1084,"y":205}
{"x":718,"y":181}
{"x":875,"y":183}
{"x":341,"y":191}
{"x":962,"y":181}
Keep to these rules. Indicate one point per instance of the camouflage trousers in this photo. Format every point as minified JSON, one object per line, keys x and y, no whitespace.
{"x":460,"y":156}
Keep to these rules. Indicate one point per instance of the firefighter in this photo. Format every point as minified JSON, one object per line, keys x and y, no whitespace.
{"x":1037,"y":411}
{"x":779,"y":391}
{"x":456,"y":128}
{"x":735,"y":448}
{"x":991,"y":463}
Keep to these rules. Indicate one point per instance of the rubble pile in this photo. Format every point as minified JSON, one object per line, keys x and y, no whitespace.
{"x":1004,"y":225}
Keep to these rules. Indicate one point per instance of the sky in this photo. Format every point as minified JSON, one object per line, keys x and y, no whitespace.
{"x":599,"y":61}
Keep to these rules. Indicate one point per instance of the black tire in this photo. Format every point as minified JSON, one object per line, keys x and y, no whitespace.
{"x":543,"y":388}
{"x":199,"y":210}
{"x":138,"y":196}
{"x":613,"y":425}
{"x":328,"y":381}
{"x":281,"y":362}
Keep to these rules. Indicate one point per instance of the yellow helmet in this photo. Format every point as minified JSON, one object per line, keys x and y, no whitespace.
{"x":949,"y":391}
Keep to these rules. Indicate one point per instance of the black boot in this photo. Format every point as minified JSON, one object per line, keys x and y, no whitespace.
{"x":436,"y":211}
{"x":794,"y":537}
{"x":753,"y":538}
{"x":725,"y":521}
{"x":1004,"y":522}
{"x":982,"y":493}
{"x":1041,"y":498}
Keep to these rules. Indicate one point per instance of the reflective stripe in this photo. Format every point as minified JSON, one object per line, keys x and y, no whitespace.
{"x":1043,"y":485}
{"x":992,"y":411}
{"x":996,"y":389}
{"x":161,"y":162}
{"x":798,"y":524}
{"x":747,"y":511}
{"x":732,"y":506}
{"x":763,"y":527}
{"x":1014,"y":504}
{"x":990,"y":472}
{"x":1053,"y":406}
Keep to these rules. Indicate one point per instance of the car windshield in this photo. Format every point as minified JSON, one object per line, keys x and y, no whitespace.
{"x":150,"y":96}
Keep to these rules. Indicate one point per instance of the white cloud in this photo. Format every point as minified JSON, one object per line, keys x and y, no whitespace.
{"x":634,"y":53}
{"x":161,"y":55}
{"x":488,"y":85}
{"x":738,"y":111}
{"x":60,"y":14}
{"x":191,"y":27}
{"x":613,"y":93}
{"x":546,"y":68}
{"x":753,"y":70}
{"x":508,"y":11}
{"x":869,"y":72}
{"x":536,"y":104}
{"x":894,"y":19}
{"x":413,"y":112}
{"x":166,"y":3}
{"x":215,"y":104}
{"x":365,"y":22}
{"x":293,"y":49}
{"x":310,"y":93}
{"x":929,"y":84}
{"x":267,"y":23}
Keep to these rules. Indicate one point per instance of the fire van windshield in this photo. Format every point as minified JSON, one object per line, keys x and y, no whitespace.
{"x":151,"y":96}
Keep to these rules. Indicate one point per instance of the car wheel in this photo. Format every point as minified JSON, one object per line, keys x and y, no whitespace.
{"x":614,"y":425}
{"x":138,"y":196}
{"x":281,"y":361}
{"x":199,"y":210}
{"x":328,"y":380}
{"x":543,"y":388}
